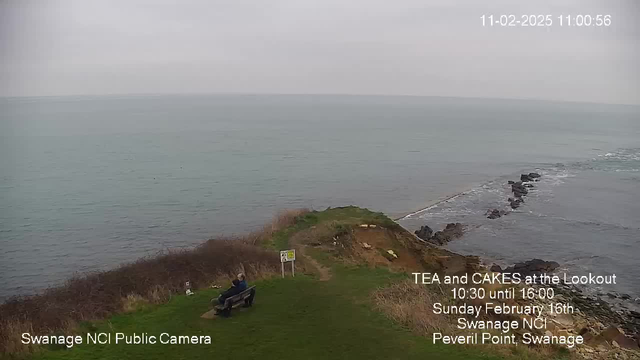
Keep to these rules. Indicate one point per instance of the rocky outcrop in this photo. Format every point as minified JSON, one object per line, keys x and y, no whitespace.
{"x":515,"y":203}
{"x":495,"y":268}
{"x":613,"y":334}
{"x":532,"y":267}
{"x":529,"y":177}
{"x":607,"y":333}
{"x":495,"y":213}
{"x":519,"y":190}
{"x":451,"y":231}
{"x":424,"y":233}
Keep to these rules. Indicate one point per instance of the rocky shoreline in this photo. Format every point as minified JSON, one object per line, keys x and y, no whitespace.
{"x":607,"y":333}
{"x":596,"y":320}
{"x":609,"y":330}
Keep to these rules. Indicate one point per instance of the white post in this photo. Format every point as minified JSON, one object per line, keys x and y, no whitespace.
{"x":282,"y":269}
{"x":293,"y":268}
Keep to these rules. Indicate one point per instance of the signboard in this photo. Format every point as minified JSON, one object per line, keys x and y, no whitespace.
{"x":287,"y":255}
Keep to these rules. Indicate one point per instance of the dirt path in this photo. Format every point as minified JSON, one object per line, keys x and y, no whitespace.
{"x":323,"y":271}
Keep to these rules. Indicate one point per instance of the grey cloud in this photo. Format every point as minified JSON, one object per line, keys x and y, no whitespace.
{"x":404,"y":47}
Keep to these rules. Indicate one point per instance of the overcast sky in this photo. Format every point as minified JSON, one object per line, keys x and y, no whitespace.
{"x":395,"y":47}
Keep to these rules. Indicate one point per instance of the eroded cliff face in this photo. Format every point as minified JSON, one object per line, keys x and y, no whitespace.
{"x":392,"y":247}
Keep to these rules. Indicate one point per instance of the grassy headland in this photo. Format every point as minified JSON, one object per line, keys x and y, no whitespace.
{"x":340,"y":305}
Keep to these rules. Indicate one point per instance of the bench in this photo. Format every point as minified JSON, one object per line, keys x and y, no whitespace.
{"x":245,"y":298}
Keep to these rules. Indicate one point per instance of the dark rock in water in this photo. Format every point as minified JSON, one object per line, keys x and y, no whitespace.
{"x":525,"y":178}
{"x":440,"y":238}
{"x":533,"y":267}
{"x":519,"y":193}
{"x":519,"y":190}
{"x":454,"y":227}
{"x":515,"y":203}
{"x":451,"y":231}
{"x":529,"y":177}
{"x":528,"y":185}
{"x":424,"y":233}
{"x":495,"y":213}
{"x":495,"y":268}
{"x":511,"y":182}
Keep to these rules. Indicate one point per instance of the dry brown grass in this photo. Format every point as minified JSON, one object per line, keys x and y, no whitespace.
{"x":318,"y":234}
{"x":411,"y":305}
{"x":133,"y":302}
{"x":13,"y":328}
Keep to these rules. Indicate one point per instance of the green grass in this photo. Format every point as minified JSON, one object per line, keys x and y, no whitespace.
{"x":352,"y":215}
{"x":293,"y":318}
{"x":342,"y":216}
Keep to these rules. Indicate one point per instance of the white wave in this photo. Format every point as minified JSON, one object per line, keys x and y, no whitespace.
{"x":555,"y":178}
{"x":436,"y":204}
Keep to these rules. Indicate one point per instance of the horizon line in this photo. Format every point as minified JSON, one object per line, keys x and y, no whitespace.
{"x":316,"y":94}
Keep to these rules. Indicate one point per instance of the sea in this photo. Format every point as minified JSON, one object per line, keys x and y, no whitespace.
{"x":91,"y":182}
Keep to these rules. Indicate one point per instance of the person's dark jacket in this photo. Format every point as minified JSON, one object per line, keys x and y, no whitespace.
{"x":243,"y":285}
{"x":233,"y":290}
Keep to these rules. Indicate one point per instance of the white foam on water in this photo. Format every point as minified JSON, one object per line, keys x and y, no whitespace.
{"x":555,"y":178}
{"x":421,"y":211}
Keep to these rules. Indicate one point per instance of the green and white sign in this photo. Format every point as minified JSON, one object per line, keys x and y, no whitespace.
{"x":287,"y":255}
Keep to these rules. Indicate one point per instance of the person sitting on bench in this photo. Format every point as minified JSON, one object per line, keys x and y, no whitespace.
{"x":243,"y":282}
{"x":233,"y":290}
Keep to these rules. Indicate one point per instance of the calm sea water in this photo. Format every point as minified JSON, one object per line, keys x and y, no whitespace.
{"x":87,"y":183}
